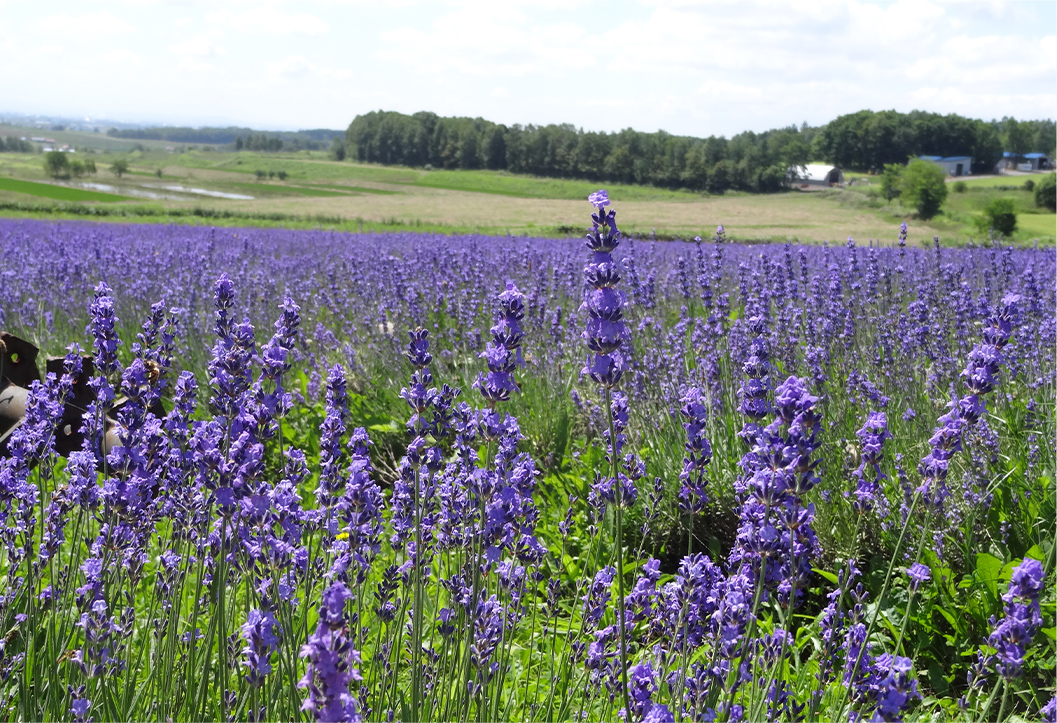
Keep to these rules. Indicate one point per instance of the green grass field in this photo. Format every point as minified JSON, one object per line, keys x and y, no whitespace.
{"x":59,"y":193}
{"x":1000,"y":181}
{"x":353,"y":196}
{"x":1038,"y":224}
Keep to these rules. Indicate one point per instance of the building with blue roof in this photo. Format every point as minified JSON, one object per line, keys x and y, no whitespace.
{"x":953,"y":165}
{"x":1025,"y":161}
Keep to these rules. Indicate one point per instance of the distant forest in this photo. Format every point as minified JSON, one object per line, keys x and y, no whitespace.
{"x":242,"y":138}
{"x":749,"y":161}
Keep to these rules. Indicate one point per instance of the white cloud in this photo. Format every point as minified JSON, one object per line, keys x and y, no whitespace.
{"x":688,"y":66}
{"x":297,"y":66}
{"x":85,"y":24}
{"x":204,"y":44}
{"x":123,"y":56}
{"x":269,"y":21}
{"x":491,"y":40}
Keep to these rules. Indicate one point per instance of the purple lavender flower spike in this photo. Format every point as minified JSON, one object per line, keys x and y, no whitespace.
{"x":261,"y":632}
{"x":692,"y":496}
{"x":918,"y":574}
{"x":1048,"y":712}
{"x":895,"y":686}
{"x":872,"y":437}
{"x":332,"y":660}
{"x":604,"y":303}
{"x":503,"y":353}
{"x":1012,"y":635}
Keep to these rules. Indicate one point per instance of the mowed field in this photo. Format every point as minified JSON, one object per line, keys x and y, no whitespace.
{"x":209,"y":186}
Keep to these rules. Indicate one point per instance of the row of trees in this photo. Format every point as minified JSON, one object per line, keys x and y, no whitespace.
{"x":1020,"y":137}
{"x":759,"y":162}
{"x":57,"y":164}
{"x":239,"y":138}
{"x":868,"y":141}
{"x":748,"y":161}
{"x":16,"y":145}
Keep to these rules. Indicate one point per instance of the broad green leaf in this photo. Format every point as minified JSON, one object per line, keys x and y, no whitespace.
{"x":989,"y":570}
{"x":828,"y":575}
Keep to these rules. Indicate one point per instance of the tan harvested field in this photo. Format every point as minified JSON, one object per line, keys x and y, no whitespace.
{"x":795,"y":215}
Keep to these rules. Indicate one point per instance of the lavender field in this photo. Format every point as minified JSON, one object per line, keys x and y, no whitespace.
{"x":409,"y":477}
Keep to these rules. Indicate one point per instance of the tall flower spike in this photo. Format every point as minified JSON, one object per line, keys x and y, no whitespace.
{"x":872,"y":437}
{"x":692,"y":497}
{"x":503,"y":353}
{"x":603,"y":302}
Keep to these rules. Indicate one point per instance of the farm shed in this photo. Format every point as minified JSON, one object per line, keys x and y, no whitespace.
{"x":953,"y":165}
{"x":817,"y":174}
{"x":1038,"y":161}
{"x":1025,"y":162}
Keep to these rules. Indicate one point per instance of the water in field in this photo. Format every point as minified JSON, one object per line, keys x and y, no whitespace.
{"x":213,"y":194}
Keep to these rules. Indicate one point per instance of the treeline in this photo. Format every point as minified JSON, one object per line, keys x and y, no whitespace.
{"x":1028,"y":136}
{"x":308,"y":140}
{"x":16,"y":145}
{"x":868,"y":141}
{"x":748,"y":161}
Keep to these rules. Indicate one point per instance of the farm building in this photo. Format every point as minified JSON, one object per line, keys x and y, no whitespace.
{"x":817,"y":174}
{"x":1025,"y":162}
{"x":953,"y":165}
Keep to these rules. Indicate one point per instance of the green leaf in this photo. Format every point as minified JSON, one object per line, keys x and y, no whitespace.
{"x":989,"y":570}
{"x":828,"y":575}
{"x":954,"y":621}
{"x":1035,"y":553}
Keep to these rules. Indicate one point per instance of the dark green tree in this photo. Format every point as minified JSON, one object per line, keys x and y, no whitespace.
{"x":1001,"y":216}
{"x":57,"y":164}
{"x":1046,"y":192}
{"x":337,"y":149}
{"x":892,"y":180}
{"x":1018,"y":141}
{"x":119,"y":167}
{"x":924,"y":188}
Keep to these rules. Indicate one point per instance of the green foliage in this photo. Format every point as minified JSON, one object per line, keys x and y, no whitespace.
{"x":924,"y":188}
{"x":960,"y":186}
{"x":119,"y":167}
{"x":337,"y":149}
{"x":261,"y":175}
{"x":869,"y":140}
{"x":282,"y":175}
{"x":89,"y":166}
{"x":57,"y":164}
{"x":1046,"y":192}
{"x":16,"y":145}
{"x":1018,"y":140}
{"x":1029,"y":185}
{"x":892,"y":180}
{"x":752,"y":162}
{"x":240,"y":138}
{"x":1001,"y":216}
{"x":77,"y":168}
{"x":157,"y":172}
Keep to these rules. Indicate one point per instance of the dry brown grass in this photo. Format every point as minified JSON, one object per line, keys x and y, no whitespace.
{"x":791,"y":215}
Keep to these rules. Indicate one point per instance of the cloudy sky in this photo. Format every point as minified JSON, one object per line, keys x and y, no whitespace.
{"x":691,"y":68}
